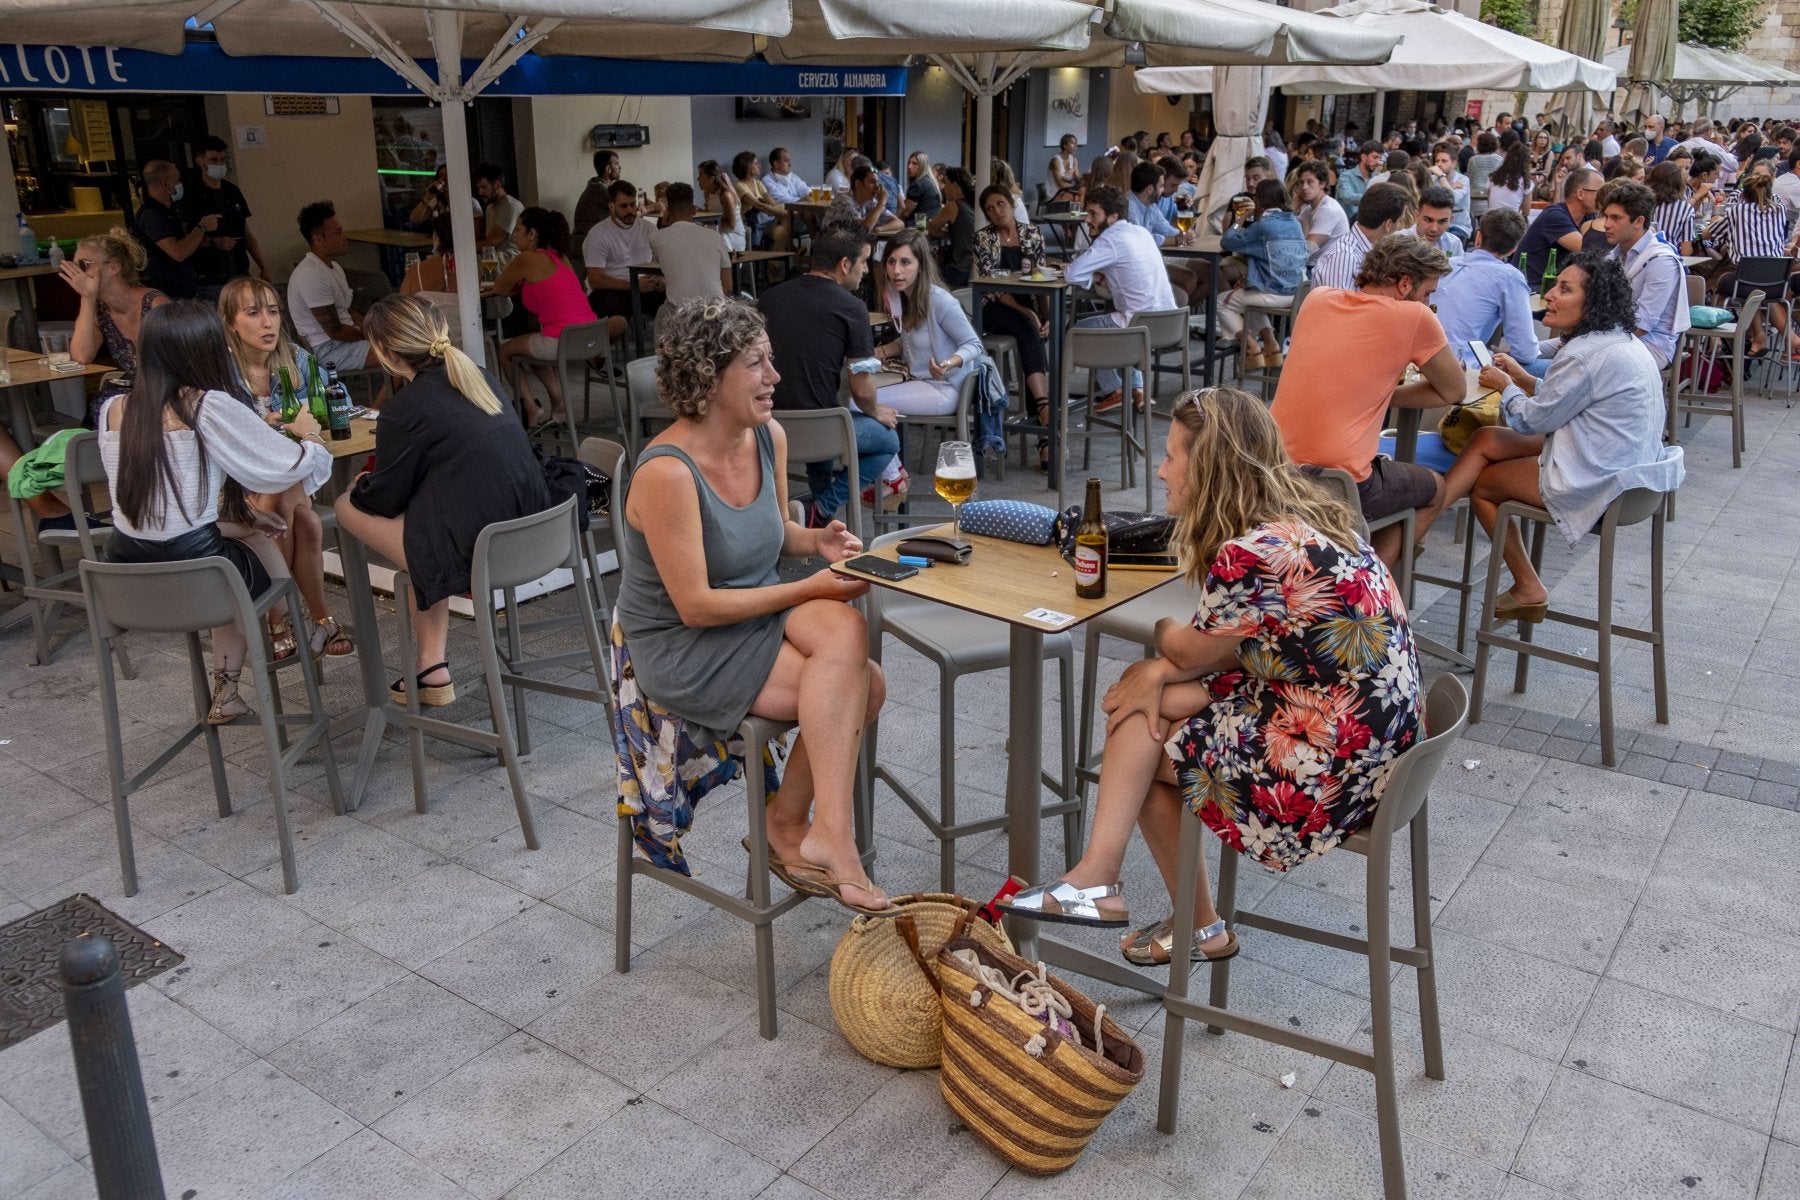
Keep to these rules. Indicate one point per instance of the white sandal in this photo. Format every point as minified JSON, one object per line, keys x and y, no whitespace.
{"x":1067,"y":904}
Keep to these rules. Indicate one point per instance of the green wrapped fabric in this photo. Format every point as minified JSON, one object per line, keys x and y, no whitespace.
{"x":40,"y":470}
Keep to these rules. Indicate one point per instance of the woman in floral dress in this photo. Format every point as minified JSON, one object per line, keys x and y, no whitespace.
{"x":1277,"y":713}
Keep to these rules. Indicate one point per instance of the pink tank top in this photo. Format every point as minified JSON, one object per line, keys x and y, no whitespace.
{"x":557,"y":302}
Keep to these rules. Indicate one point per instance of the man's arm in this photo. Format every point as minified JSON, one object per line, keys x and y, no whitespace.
{"x":1441,"y":382}
{"x":1515,"y":317}
{"x":256,"y":254}
{"x":335,"y":327}
{"x":182,"y":248}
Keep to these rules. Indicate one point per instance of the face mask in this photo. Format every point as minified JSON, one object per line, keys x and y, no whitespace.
{"x":216,"y":171}
{"x":180,"y":189}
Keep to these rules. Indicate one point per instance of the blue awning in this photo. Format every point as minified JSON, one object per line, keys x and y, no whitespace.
{"x":203,"y":67}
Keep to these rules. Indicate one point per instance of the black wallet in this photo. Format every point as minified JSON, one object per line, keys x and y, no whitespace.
{"x":938,"y":548}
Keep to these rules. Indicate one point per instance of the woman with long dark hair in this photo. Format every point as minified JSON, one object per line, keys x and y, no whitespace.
{"x":937,"y":345}
{"x":956,"y":222}
{"x":1510,"y":184}
{"x":1572,"y":442}
{"x":170,"y":444}
{"x":547,"y":287}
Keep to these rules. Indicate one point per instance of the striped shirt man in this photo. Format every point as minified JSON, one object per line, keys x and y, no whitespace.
{"x":1341,"y":260}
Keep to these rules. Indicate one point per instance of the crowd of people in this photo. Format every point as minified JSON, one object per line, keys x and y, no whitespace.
{"x":1408,"y":261}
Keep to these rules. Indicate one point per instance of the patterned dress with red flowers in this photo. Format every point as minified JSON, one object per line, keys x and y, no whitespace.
{"x":1291,"y":755}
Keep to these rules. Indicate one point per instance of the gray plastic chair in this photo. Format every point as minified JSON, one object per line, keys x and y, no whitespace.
{"x":1630,"y":508}
{"x":508,"y":555}
{"x":1402,"y":807}
{"x":1281,"y":318}
{"x":603,"y":455}
{"x":1345,"y":487}
{"x":1107,"y":349}
{"x":962,"y":643}
{"x":645,"y":413}
{"x":46,"y":595}
{"x":189,"y":598}
{"x":577,"y":346}
{"x":756,"y":906}
{"x":1169,"y":333}
{"x":1706,"y":345}
{"x":827,"y":435}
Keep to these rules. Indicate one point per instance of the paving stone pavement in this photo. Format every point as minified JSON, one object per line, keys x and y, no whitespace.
{"x":434,"y":1015}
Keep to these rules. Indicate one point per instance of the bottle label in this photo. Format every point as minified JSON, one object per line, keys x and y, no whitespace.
{"x":1087,"y":565}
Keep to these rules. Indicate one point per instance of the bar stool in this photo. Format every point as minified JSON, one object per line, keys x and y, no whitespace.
{"x":188,"y":598}
{"x":1099,"y":349}
{"x":962,"y":643}
{"x":577,"y":346}
{"x":45,"y":595}
{"x":508,"y":555}
{"x":1630,"y":508}
{"x":1705,"y":346}
{"x":1402,"y":807}
{"x":645,"y":411}
{"x":1281,"y":318}
{"x":755,"y":906}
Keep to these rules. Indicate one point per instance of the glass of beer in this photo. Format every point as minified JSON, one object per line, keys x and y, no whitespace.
{"x":1184,"y":220}
{"x":955,"y":479}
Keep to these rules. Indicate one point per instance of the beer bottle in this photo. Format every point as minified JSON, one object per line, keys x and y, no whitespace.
{"x":338,"y":393}
{"x":287,"y":398}
{"x":315,"y":396}
{"x":1090,"y":547}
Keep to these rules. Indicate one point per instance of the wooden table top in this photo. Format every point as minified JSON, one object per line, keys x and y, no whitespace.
{"x":1019,"y":280}
{"x":1694,"y":260}
{"x":404,"y":238}
{"x":28,"y":368}
{"x":360,"y":441}
{"x":29,"y":272}
{"x":1206,"y":245}
{"x":1022,"y":585}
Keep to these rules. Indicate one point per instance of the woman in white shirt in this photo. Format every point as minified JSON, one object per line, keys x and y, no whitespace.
{"x":1510,"y":184}
{"x":721,"y":197}
{"x":838,"y":178}
{"x":168,"y":447}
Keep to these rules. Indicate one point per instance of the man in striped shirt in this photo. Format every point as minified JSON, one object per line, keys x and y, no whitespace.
{"x":1383,"y":210}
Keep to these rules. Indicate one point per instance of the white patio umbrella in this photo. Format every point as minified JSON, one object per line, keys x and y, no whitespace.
{"x":397,"y":32}
{"x":1708,"y":74}
{"x":1439,"y":50}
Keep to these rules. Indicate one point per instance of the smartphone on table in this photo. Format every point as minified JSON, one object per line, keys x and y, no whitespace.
{"x":881,"y":568}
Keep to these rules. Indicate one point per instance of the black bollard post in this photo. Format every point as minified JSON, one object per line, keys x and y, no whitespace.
{"x":106,"y":1068}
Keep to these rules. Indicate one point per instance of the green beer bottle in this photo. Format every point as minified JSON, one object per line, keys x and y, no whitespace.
{"x":1549,"y":278}
{"x":287,"y":399}
{"x":315,"y":397}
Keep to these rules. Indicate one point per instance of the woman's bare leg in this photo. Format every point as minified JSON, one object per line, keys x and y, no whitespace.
{"x":1489,"y":445}
{"x":549,"y":377}
{"x":1514,"y":480}
{"x":822,"y":670}
{"x":387,"y":537}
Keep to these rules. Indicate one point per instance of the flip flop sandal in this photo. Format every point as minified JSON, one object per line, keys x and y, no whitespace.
{"x":1154,"y":945}
{"x":1066,"y":904}
{"x":793,"y":874}
{"x":834,"y":890}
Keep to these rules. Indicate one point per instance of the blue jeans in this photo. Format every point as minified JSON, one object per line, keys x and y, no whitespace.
{"x":1538,"y":368}
{"x":875,"y":445}
{"x":1108,"y":380}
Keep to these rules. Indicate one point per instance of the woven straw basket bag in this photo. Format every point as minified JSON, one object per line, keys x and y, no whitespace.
{"x":883,"y":988}
{"x":1034,"y":1096}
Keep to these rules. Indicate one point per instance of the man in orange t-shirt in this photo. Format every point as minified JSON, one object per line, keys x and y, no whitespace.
{"x":1343,"y":365}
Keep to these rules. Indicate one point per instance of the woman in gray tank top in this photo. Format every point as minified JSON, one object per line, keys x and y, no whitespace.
{"x":713,"y":633}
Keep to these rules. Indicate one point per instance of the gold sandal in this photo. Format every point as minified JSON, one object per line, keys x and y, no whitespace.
{"x":1154,"y":945}
{"x":282,"y":643}
{"x":225,"y":695}
{"x":327,"y":635}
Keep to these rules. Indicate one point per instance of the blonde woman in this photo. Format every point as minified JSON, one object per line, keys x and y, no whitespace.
{"x":259,"y":347}
{"x":1276,"y":713}
{"x":105,"y":273}
{"x":451,"y":459}
{"x":1001,"y":176}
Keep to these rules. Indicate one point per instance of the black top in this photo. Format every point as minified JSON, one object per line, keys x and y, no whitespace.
{"x":959,"y":250}
{"x":923,"y":192}
{"x":156,"y":221}
{"x":210,"y":265}
{"x":452,"y":470}
{"x":815,"y":324}
{"x":1553,"y":223}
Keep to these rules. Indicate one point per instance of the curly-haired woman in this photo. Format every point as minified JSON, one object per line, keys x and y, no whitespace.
{"x":1276,"y":713}
{"x":1591,"y":429}
{"x":713,"y":633}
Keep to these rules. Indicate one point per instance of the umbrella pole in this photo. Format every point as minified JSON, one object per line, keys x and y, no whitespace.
{"x":446,"y":36}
